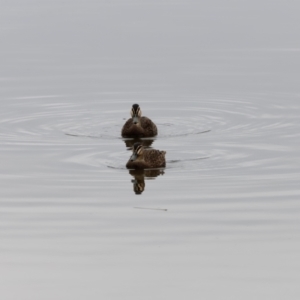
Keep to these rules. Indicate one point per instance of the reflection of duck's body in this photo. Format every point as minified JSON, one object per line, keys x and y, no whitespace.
{"x":138,"y":126}
{"x":130,"y":142}
{"x":144,"y":159}
{"x":139,"y":178}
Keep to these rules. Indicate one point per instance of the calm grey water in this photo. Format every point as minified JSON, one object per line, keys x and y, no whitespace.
{"x":220,"y":80}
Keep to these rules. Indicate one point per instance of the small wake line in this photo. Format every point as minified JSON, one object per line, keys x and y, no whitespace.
{"x":190,"y":159}
{"x":163,"y":209}
{"x":186,"y":134}
{"x":92,"y":136}
{"x":116,"y":168}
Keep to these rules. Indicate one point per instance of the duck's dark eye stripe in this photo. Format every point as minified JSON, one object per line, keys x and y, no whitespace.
{"x":135,"y":111}
{"x":135,"y":108}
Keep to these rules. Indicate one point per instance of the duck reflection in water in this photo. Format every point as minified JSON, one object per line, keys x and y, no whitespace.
{"x":140,"y":176}
{"x":145,"y":142}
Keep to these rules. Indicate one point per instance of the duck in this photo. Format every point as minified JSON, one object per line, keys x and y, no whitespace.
{"x":138,"y":126}
{"x":142,"y":158}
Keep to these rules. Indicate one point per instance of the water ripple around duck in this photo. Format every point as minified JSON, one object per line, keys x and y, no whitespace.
{"x":229,"y":133}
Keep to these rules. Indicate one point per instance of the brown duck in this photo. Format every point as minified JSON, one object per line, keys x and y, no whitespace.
{"x":142,"y":158}
{"x":138,"y":126}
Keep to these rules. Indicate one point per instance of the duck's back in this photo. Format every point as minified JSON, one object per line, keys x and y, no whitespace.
{"x":149,"y":127}
{"x":155,"y":158}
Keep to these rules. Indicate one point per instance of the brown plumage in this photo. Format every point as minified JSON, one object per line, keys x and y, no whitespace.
{"x":142,"y":158}
{"x":138,"y":126}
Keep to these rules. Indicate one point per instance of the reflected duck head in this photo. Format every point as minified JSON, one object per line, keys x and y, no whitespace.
{"x":138,"y":186}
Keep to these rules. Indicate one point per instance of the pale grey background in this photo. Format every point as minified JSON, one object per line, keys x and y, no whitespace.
{"x":70,"y":71}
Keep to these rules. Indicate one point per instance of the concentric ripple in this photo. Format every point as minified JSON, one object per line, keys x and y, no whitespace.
{"x":207,"y":134}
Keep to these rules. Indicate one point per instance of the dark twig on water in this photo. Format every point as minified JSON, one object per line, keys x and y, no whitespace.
{"x":164,"y":209}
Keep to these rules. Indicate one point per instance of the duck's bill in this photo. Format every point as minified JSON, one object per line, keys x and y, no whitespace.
{"x":135,"y":120}
{"x":133,"y":157}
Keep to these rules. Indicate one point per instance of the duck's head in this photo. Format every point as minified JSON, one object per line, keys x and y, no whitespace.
{"x":136,"y":113}
{"x":138,"y":150}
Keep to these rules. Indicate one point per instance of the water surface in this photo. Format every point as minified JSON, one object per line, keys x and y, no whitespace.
{"x":220,"y":221}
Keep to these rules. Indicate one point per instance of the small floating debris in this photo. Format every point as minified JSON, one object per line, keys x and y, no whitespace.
{"x":164,"y":209}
